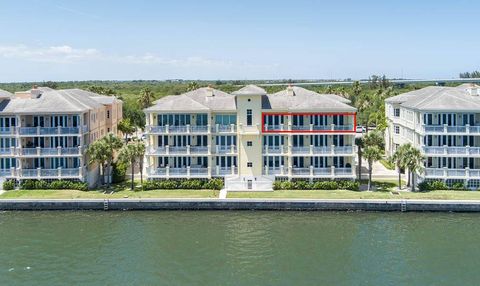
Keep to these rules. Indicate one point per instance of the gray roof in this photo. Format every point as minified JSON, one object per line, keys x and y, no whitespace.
{"x":52,"y":101}
{"x":437,"y":98}
{"x":5,"y":94}
{"x":250,"y":90}
{"x":305,"y":100}
{"x":208,"y":99}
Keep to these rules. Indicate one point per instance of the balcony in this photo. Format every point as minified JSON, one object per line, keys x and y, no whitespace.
{"x":8,"y":152}
{"x":59,"y":173}
{"x":38,"y":151}
{"x":330,"y":172}
{"x":218,"y":128}
{"x":323,"y":150}
{"x":226,"y":171}
{"x":226,"y":149}
{"x":446,"y":173}
{"x":278,"y":171}
{"x":309,"y":128}
{"x":442,"y":129}
{"x":39,"y":131}
{"x":7,"y":131}
{"x":187,"y":172}
{"x":274,"y":150}
{"x":179,"y":150}
{"x":184,"y":129}
{"x":451,"y":151}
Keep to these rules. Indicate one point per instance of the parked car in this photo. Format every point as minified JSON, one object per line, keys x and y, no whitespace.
{"x":360,"y":129}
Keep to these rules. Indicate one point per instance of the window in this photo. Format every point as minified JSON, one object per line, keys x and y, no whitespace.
{"x":108,"y":113}
{"x":397,"y":129}
{"x":249,"y":143}
{"x":225,"y":119}
{"x":202,"y":119}
{"x":249,"y":117}
{"x":249,"y":164}
{"x":396,"y":112}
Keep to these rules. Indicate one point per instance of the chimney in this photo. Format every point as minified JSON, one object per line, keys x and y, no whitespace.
{"x":290,"y":91}
{"x":35,"y":92}
{"x":473,"y":90}
{"x":210,"y":91}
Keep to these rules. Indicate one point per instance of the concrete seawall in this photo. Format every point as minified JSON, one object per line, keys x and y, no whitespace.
{"x":243,"y":204}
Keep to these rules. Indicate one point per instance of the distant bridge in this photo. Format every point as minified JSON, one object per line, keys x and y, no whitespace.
{"x":398,"y":81}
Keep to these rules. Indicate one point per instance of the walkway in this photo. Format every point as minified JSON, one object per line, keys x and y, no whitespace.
{"x":222,"y":194}
{"x":379,"y":171}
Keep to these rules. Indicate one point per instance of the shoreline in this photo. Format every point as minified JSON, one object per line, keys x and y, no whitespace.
{"x":390,"y":205}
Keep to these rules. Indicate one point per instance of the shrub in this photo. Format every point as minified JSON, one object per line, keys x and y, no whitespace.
{"x":426,"y":186}
{"x":9,"y":185}
{"x":119,"y":170}
{"x":191,"y":184}
{"x":349,"y":185}
{"x":214,"y":184}
{"x":56,"y":185}
{"x":458,"y":186}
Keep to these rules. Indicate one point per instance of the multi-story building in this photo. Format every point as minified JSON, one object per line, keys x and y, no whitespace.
{"x":44,"y":132}
{"x":444,"y":122}
{"x":251,"y":137}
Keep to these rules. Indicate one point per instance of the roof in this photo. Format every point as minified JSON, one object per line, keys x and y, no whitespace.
{"x":5,"y":94}
{"x":250,"y":90}
{"x":209,"y":99}
{"x":305,"y":100}
{"x":437,"y":98}
{"x":52,"y":101}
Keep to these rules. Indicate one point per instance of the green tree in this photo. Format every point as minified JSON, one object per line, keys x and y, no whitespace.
{"x":192,"y":86}
{"x":360,"y":144}
{"x":126,"y":127}
{"x":132,"y":154}
{"x":113,"y":144}
{"x":414,"y":161}
{"x":146,"y":98}
{"x":398,"y":158}
{"x":99,"y":152}
{"x":101,"y":90}
{"x":372,"y":154}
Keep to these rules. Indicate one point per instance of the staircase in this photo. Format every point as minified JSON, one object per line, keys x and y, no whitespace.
{"x":249,"y":183}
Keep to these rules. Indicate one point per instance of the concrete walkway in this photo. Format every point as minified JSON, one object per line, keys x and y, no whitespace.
{"x":379,"y":171}
{"x":222,"y":194}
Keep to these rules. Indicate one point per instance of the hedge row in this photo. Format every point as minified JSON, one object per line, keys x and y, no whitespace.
{"x":53,"y":185}
{"x":8,"y":185}
{"x":212,"y":184}
{"x":319,"y":185}
{"x":426,"y":186}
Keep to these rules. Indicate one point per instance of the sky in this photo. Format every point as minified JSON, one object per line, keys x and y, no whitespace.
{"x":220,"y":40}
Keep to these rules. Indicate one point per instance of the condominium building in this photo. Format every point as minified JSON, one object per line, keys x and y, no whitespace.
{"x":250,"y":137}
{"x":44,"y":132}
{"x":444,"y":122}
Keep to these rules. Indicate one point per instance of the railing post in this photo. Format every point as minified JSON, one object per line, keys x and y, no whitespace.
{"x":188,"y":128}
{"x":12,"y":150}
{"x":445,"y":171}
{"x":59,"y":150}
{"x":217,"y":127}
{"x":188,"y":150}
{"x":282,"y":170}
{"x":311,"y":171}
{"x":333,"y":150}
{"x":467,"y":128}
{"x":333,"y":171}
{"x":217,"y":170}
{"x":445,"y":128}
{"x":266,"y":170}
{"x":232,"y":128}
{"x":80,"y":150}
{"x":38,"y":172}
{"x":167,"y":149}
{"x":445,"y":149}
{"x":80,"y":171}
{"x":332,"y":126}
{"x":467,"y":172}
{"x":188,"y":171}
{"x":209,"y":171}
{"x":167,"y":128}
{"x":290,"y":171}
{"x":311,"y":150}
{"x":467,"y":149}
{"x":167,"y":171}
{"x":311,"y":127}
{"x":38,"y":130}
{"x":38,"y":151}
{"x":59,"y":172}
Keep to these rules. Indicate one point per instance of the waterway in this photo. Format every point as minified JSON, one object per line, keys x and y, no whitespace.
{"x":239,"y":248}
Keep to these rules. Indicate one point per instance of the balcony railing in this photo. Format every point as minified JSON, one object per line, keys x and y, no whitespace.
{"x":178,"y":150}
{"x":447,"y":173}
{"x":50,"y":173}
{"x":464,"y":129}
{"x":276,"y":171}
{"x":275,"y":149}
{"x":309,"y":127}
{"x":178,"y":129}
{"x":51,"y":130}
{"x":50,"y":151}
{"x":220,"y":128}
{"x":325,"y":172}
{"x":452,"y":150}
{"x":226,"y":171}
{"x":186,"y":172}
{"x":325,"y":150}
{"x":225,"y":149}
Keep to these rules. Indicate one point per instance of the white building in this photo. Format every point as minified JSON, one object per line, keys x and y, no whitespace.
{"x":251,"y":137}
{"x":444,"y":122}
{"x":44,"y":133}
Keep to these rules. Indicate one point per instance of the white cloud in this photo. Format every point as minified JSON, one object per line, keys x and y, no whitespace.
{"x":54,"y":54}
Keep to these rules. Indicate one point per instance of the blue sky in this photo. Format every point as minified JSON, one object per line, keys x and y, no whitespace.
{"x":121,"y":40}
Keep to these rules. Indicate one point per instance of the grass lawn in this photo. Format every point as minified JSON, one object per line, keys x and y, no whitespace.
{"x":95,"y":194}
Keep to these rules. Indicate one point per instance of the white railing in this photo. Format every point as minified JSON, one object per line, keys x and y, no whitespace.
{"x":220,"y":128}
{"x":225,"y":149}
{"x":343,"y":171}
{"x":300,"y":171}
{"x":322,"y":171}
{"x":177,"y":149}
{"x":452,"y":150}
{"x":37,"y":151}
{"x":50,"y":130}
{"x":7,"y":151}
{"x":451,"y":129}
{"x":275,"y":171}
{"x":199,"y":149}
{"x":221,"y":171}
{"x":275,"y":149}
{"x":6,"y":130}
{"x":178,"y":129}
{"x":49,"y":173}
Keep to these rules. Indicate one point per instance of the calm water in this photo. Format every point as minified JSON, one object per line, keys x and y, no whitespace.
{"x":238,"y":248}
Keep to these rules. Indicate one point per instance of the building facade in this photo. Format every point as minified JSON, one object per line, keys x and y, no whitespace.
{"x":444,"y":123}
{"x":44,"y":133}
{"x":251,"y":138}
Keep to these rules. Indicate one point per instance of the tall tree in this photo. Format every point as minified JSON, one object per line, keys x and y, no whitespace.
{"x":99,"y":152}
{"x":133,"y":154}
{"x":360,"y":144}
{"x":146,"y":98}
{"x":114,"y":144}
{"x":372,"y":154}
{"x":192,"y":86}
{"x":399,"y":159}
{"x":126,"y":127}
{"x":414,"y":161}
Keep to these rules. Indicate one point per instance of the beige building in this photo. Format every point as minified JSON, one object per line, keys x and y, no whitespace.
{"x":251,"y":138}
{"x":44,"y":133}
{"x":444,"y":123}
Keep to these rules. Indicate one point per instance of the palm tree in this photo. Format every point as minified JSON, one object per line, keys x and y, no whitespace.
{"x":372,"y":153}
{"x":360,"y":144}
{"x":192,"y":86}
{"x":126,"y":127}
{"x":146,"y":98}
{"x":414,"y":161}
{"x":399,"y":159}
{"x":99,"y":152}
{"x":140,"y":148}
{"x":114,"y":144}
{"x":128,"y":155}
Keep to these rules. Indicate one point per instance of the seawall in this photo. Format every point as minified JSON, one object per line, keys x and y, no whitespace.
{"x":243,"y":204}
